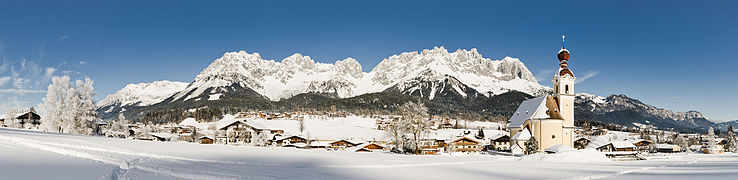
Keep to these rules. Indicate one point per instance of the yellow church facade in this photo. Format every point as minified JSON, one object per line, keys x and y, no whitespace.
{"x":549,"y":118}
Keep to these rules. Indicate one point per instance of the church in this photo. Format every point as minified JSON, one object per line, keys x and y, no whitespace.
{"x":549,"y":118}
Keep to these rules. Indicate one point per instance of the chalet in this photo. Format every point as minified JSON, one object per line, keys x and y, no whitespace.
{"x":500,"y":143}
{"x":643,"y":145}
{"x":667,"y":148}
{"x":23,"y":117}
{"x":464,"y":145}
{"x":162,"y":136}
{"x":342,"y":144}
{"x":206,"y":140}
{"x":290,"y":140}
{"x":237,"y":132}
{"x":432,"y":146}
{"x":374,"y":147}
{"x":581,"y":143}
{"x":617,"y":146}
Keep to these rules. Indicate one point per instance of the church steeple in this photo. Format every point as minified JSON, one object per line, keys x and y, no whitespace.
{"x":564,"y":85}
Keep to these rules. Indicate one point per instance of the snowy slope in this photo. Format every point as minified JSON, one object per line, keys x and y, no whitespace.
{"x":141,"y":94}
{"x":36,"y":155}
{"x":298,"y":74}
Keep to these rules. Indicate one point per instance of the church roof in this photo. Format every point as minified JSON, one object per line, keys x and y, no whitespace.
{"x":535,"y":108}
{"x":524,"y":135}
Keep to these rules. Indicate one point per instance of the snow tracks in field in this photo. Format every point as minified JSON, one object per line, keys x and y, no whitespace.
{"x":126,"y":161}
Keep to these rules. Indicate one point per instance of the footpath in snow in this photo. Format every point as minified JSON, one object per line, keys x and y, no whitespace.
{"x":37,"y":155}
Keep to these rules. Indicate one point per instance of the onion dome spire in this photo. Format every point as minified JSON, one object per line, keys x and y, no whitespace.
{"x":563,"y":59}
{"x":563,"y":53}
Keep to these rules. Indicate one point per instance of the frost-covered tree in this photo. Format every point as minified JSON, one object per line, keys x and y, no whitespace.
{"x":731,"y":146}
{"x":85,"y":107}
{"x":415,"y":120}
{"x":711,"y":139}
{"x":680,"y":141}
{"x":146,"y":130}
{"x":10,"y":120}
{"x":260,"y":138}
{"x":531,"y":146}
{"x":69,"y":108}
{"x":118,"y":128}
{"x":395,"y":131}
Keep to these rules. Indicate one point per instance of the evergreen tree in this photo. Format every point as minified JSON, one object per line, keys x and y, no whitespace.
{"x":531,"y":146}
{"x":731,"y":145}
{"x":480,"y":134}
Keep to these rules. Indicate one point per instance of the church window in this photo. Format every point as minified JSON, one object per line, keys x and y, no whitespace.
{"x":553,"y":136}
{"x":566,"y":89}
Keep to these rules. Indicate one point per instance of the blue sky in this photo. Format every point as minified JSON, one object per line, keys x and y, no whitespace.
{"x":679,"y":55}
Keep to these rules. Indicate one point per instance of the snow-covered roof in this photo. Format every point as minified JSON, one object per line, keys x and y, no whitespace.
{"x":666,"y":146}
{"x":529,"y":109}
{"x":299,"y":145}
{"x":226,"y":121}
{"x":163,"y":135}
{"x":320,"y":143}
{"x":466,"y":137}
{"x":622,"y":144}
{"x":189,"y":122}
{"x":559,"y":148}
{"x":20,"y":112}
{"x":523,"y":135}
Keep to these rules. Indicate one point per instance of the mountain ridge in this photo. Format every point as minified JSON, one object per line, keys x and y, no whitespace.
{"x":450,"y":82}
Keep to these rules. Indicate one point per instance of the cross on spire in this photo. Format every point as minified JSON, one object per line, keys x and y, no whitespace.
{"x":563,"y":39}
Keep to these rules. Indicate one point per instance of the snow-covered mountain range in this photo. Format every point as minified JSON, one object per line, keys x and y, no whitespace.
{"x":621,"y":109}
{"x":140,"y":94}
{"x":298,"y":74}
{"x":462,"y":80}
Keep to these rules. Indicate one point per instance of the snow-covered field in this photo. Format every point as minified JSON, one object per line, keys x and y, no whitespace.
{"x":36,"y":155}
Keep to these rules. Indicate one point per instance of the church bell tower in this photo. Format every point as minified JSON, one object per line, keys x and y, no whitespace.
{"x":564,"y":92}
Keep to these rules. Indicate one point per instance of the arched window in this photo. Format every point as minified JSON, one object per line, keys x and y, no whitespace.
{"x":566,"y":89}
